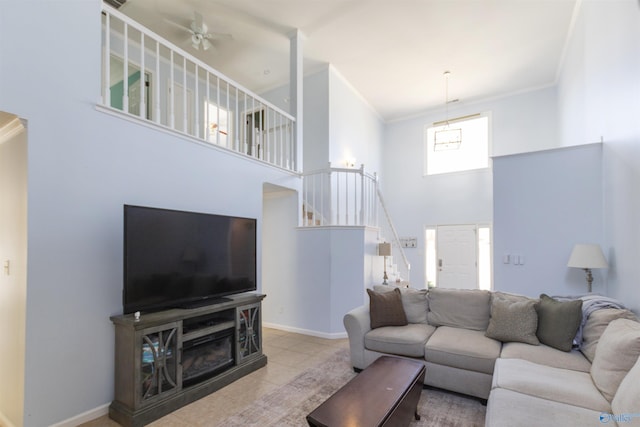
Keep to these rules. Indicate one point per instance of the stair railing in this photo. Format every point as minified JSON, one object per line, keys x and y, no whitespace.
{"x":395,"y":239}
{"x":339,"y":196}
{"x":347,"y":197}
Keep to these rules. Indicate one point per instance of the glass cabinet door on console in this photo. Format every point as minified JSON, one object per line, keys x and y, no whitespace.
{"x":159,"y":361}
{"x":249,"y":333}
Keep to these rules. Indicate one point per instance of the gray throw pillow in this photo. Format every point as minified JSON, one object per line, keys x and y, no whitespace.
{"x":513,"y":321}
{"x":558,"y":322}
{"x":385,"y":309}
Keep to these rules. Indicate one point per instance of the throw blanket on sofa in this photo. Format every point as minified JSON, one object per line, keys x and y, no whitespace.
{"x":590,"y":303}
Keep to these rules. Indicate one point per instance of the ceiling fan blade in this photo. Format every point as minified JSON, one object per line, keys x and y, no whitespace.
{"x":218,"y":36}
{"x":197,"y":23}
{"x":206,"y":44}
{"x":175,"y":24}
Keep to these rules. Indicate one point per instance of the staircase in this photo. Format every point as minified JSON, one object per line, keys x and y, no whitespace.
{"x":350,"y":197}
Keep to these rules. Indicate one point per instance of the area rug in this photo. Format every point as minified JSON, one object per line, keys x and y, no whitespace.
{"x":289,"y":404}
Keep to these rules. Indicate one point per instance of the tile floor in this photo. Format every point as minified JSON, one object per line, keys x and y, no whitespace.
{"x":288,"y":354}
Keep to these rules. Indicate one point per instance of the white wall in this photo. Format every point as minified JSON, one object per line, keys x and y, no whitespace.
{"x":544,"y":203}
{"x":279,"y":258}
{"x":83,"y":166}
{"x":13,"y":283}
{"x":599,"y":96}
{"x":355,"y":129}
{"x":332,"y":276}
{"x":522,"y":122}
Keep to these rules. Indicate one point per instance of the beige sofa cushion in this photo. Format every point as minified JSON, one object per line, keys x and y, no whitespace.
{"x":460,"y":308}
{"x":560,"y":385}
{"x":414,"y":301}
{"x":545,"y":355}
{"x":627,"y":398}
{"x":406,"y":340}
{"x":513,"y":321}
{"x":617,"y":352}
{"x":462,"y":348}
{"x":507,"y":408}
{"x":511,"y":297}
{"x":595,"y":326}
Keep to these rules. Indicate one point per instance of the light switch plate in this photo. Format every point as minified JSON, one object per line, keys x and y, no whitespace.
{"x":409,"y":242}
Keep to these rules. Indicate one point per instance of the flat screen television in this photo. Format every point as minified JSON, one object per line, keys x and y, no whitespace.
{"x":183,"y":259}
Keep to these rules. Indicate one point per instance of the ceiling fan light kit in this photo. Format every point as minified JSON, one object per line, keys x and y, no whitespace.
{"x":200,"y":35}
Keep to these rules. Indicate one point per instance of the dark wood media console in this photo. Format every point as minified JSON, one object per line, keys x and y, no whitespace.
{"x":168,"y":359}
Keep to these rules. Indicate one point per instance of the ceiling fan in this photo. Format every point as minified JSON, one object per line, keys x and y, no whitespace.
{"x":200,"y":34}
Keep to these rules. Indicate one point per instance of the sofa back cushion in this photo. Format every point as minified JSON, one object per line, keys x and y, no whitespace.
{"x":414,"y":302}
{"x":596,"y":324}
{"x":459,"y":308}
{"x":616,"y":353}
{"x":628,"y":395}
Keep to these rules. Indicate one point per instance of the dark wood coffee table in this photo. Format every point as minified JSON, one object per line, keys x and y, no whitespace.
{"x":386,"y":393}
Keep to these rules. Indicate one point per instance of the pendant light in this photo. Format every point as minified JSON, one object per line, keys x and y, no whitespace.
{"x":447,"y":138}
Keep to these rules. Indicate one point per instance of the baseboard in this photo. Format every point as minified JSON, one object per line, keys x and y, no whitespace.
{"x":330,"y":336}
{"x":91,"y":414}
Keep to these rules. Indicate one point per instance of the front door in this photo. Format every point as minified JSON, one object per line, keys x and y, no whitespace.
{"x":457,"y":256}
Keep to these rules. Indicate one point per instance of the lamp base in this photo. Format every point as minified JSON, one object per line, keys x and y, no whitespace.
{"x":385,"y":278}
{"x":589,"y":278}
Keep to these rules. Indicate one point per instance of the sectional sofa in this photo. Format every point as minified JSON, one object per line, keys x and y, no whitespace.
{"x":535,"y":361}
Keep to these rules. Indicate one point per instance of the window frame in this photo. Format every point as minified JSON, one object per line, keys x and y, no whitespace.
{"x":452,"y":122}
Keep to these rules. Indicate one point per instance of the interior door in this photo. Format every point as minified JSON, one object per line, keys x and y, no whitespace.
{"x":457,"y":256}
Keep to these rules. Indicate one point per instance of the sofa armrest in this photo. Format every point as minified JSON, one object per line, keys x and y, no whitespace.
{"x":357,"y":322}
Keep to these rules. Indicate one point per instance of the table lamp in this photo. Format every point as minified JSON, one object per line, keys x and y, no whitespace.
{"x":384,"y":250}
{"x":587,"y":256}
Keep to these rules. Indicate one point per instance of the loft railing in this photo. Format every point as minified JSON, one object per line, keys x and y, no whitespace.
{"x":347,"y":197}
{"x":181,"y":93}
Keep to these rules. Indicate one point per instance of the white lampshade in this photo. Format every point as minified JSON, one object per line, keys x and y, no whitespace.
{"x":384,"y":249}
{"x":587,"y":256}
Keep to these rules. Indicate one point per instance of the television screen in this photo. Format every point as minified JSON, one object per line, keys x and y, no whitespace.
{"x":177,"y":259}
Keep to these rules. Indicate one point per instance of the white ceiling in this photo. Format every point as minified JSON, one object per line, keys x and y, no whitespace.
{"x":393,"y":52}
